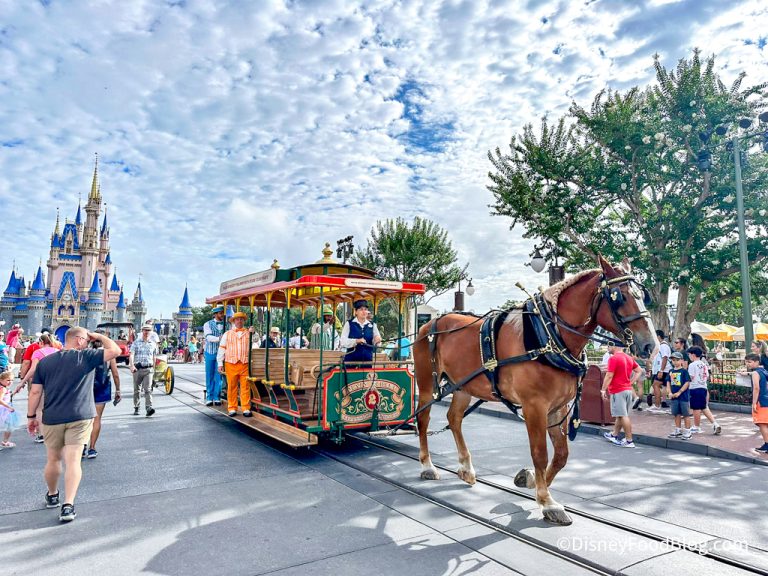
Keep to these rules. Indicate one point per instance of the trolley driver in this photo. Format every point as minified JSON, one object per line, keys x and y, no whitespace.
{"x":359,"y":335}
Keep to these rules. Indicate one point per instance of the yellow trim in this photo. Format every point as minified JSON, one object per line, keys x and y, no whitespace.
{"x":250,"y":302}
{"x":288,"y":298}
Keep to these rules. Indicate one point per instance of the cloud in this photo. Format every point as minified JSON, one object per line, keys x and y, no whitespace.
{"x":230,"y":136}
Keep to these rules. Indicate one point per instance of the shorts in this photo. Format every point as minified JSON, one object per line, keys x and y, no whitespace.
{"x":698,"y":398}
{"x":663,"y":380}
{"x":621,"y":403}
{"x":680,"y":408}
{"x":76,"y":433}
{"x":102,"y":393}
{"x":761,"y":416}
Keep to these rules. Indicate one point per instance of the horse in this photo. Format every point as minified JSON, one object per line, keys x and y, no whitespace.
{"x":447,"y":351}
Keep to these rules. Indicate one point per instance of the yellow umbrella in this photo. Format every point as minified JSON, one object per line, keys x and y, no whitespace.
{"x":728,"y":330}
{"x":707,"y":331}
{"x":759,"y":330}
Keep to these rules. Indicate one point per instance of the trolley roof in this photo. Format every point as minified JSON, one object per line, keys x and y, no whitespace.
{"x":305,"y":285}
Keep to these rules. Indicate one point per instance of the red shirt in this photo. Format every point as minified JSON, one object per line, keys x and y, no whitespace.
{"x":29,"y":351}
{"x":621,"y":365}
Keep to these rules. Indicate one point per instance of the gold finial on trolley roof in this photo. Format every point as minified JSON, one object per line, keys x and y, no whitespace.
{"x":275,"y":264}
{"x":327,"y":255}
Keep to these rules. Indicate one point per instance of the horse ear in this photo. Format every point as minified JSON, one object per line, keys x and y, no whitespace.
{"x":607,"y":268}
{"x":627,"y":265}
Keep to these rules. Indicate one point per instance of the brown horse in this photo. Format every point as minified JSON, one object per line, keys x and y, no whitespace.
{"x":608,"y":297}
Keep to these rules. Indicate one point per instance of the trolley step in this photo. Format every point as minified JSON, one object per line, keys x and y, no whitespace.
{"x":280,"y":431}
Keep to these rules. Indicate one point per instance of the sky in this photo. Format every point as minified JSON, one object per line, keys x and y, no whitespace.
{"x":232,"y":133}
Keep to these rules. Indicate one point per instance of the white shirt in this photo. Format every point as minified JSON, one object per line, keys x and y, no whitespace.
{"x":664,"y":352}
{"x":347,"y":342}
{"x":699,"y":372}
{"x":606,"y":357}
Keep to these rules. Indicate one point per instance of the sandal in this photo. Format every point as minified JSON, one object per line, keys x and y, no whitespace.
{"x":7,"y":444}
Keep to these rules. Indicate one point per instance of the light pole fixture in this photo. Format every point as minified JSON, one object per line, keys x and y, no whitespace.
{"x":704,"y":163}
{"x":344,"y":248}
{"x":538,"y":262}
{"x":470,"y":288}
{"x":556,"y":271}
{"x":458,"y":296}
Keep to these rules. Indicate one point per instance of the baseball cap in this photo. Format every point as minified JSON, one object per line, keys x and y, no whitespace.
{"x":677,"y":355}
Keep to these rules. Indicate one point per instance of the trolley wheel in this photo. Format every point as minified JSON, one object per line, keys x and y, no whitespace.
{"x":169,"y":380}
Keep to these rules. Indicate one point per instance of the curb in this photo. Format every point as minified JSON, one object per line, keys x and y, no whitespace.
{"x":667,"y":443}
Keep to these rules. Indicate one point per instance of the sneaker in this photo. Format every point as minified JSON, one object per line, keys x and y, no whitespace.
{"x":626,"y":443}
{"x":695,"y":430}
{"x":232,"y":413}
{"x":610,"y":437}
{"x":654,"y":409}
{"x":92,"y":454}
{"x":150,"y":411}
{"x":8,"y":444}
{"x":67,"y":513}
{"x":716,"y":429}
{"x":762,"y":449}
{"x":246,"y":413}
{"x":664,"y":404}
{"x":636,"y":405}
{"x":209,"y":403}
{"x":52,"y":500}
{"x":85,"y":451}
{"x":136,"y":411}
{"x":686,"y":436}
{"x":674,"y":434}
{"x":217,"y":402}
{"x":39,"y":439}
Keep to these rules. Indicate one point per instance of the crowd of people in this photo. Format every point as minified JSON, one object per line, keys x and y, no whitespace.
{"x":679,"y":387}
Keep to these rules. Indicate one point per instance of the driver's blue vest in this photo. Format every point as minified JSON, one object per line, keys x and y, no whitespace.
{"x":360,"y":353}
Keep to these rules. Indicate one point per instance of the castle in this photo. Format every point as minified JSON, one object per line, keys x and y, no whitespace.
{"x":81,"y":288}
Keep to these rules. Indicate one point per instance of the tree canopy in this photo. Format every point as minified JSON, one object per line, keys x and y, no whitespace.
{"x":420,"y":252}
{"x":647,"y":174}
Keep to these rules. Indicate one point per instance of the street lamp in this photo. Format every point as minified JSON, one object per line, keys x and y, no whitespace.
{"x":556,"y":271}
{"x":705,"y":164}
{"x":344,"y":248}
{"x":458,"y":296}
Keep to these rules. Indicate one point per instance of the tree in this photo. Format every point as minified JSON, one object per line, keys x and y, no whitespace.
{"x":645,"y":174}
{"x":201,"y":315}
{"x":417,"y":253}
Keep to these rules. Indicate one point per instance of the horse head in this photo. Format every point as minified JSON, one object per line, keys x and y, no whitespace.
{"x":623,"y":308}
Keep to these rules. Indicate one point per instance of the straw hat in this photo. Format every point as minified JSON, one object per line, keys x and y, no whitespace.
{"x":236,"y":315}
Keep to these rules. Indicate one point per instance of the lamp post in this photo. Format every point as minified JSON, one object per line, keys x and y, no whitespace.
{"x":344,"y":248}
{"x":556,"y":271}
{"x":458,"y":296}
{"x":704,"y":162}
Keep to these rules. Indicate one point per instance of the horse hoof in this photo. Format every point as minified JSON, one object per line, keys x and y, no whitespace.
{"x":430,"y":474}
{"x":525,"y":479}
{"x":467,"y":476}
{"x":557,"y":516}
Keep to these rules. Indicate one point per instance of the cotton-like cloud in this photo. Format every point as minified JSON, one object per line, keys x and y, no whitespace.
{"x":230,"y":134}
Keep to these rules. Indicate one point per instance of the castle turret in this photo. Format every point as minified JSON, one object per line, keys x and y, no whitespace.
{"x":36,"y":303}
{"x":137,"y":309}
{"x":183,"y":317}
{"x":95,"y":304}
{"x":89,"y":248}
{"x":120,"y":310}
{"x":8,"y":301}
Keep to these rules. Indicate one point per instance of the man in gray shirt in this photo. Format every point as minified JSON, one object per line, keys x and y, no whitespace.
{"x":68,"y":410}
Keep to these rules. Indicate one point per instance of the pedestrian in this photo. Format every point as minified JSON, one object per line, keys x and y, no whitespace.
{"x":4,"y":361}
{"x":326,"y":335}
{"x":299,"y":341}
{"x":141,"y":363}
{"x":679,"y":397}
{"x":31,"y":358}
{"x":12,"y":341}
{"x":360,"y":336}
{"x":759,"y":397}
{"x":273,"y":340}
{"x":620,"y":376}
{"x":761,"y":349}
{"x":607,"y":356}
{"x":9,"y":418}
{"x":103,"y":376}
{"x":681,"y":345}
{"x":192,"y":348}
{"x":233,"y":358}
{"x":660,"y":369}
{"x":212,"y":331}
{"x":66,"y":377}
{"x":699,"y":372}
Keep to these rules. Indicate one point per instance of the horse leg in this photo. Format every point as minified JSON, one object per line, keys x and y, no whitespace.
{"x":536,"y":422}
{"x":428,"y":470}
{"x":455,"y":416}
{"x":560,"y":443}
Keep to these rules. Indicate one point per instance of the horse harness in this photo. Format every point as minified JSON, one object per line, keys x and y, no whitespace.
{"x":543,"y":343}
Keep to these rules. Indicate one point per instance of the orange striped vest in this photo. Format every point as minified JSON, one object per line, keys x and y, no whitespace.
{"x":236,"y":347}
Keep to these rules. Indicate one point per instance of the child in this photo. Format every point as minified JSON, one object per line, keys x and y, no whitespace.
{"x":759,"y":397}
{"x":677,"y":392}
{"x":699,"y":372}
{"x":8,"y":417}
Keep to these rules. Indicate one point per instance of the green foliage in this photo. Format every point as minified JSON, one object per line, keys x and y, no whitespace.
{"x":201,"y":315}
{"x":622,"y":179}
{"x":420,"y":252}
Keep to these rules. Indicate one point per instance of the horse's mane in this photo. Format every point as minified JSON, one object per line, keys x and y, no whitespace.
{"x":552,"y":294}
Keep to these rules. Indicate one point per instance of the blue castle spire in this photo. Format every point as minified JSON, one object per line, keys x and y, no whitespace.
{"x":108,"y":259}
{"x":185,"y":300}
{"x":78,"y":218}
{"x":121,"y":302}
{"x":13,"y":285}
{"x":95,"y":288}
{"x":114,"y":287}
{"x":38,"y":283}
{"x":104,"y":225}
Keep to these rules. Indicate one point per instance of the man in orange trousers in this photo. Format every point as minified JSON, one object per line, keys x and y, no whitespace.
{"x":232,"y":358}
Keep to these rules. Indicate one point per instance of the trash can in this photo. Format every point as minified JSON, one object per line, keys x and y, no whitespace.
{"x":594,"y":408}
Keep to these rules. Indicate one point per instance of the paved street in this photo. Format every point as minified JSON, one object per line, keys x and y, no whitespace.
{"x":189,"y":491}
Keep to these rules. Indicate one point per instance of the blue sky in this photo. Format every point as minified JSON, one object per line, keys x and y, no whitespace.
{"x":234,"y":133}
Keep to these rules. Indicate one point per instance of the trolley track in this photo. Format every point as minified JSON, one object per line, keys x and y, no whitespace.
{"x":566,"y":556}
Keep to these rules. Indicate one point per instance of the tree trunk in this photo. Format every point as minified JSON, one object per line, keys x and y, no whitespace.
{"x":659,"y":313}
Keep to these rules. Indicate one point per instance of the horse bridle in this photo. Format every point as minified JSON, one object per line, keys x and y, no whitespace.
{"x":610,"y":290}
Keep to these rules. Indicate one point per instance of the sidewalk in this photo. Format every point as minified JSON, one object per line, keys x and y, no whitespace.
{"x":737,"y":441}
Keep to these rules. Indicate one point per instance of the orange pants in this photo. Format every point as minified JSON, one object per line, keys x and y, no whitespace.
{"x":237,"y":374}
